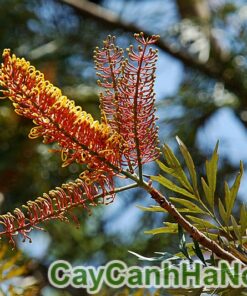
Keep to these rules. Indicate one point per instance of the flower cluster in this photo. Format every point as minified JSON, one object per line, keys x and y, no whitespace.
{"x":81,"y":138}
{"x":128,"y":99}
{"x":54,"y":205}
{"x":126,"y":135}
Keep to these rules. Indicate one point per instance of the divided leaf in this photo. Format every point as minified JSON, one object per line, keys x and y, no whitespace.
{"x":192,"y":203}
{"x":175,"y":169}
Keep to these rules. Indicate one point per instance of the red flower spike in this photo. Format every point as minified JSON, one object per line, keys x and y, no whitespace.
{"x":137,"y":102}
{"x":128,"y":99}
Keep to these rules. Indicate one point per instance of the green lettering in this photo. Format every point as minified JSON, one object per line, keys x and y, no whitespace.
{"x":79,"y":278}
{"x":114,"y":278}
{"x":57,"y":274}
{"x":210,"y":277}
{"x":96,"y":277}
{"x":134,"y":277}
{"x":171,"y":275}
{"x":229,"y":274}
{"x":152,"y":276}
{"x":191,"y":276}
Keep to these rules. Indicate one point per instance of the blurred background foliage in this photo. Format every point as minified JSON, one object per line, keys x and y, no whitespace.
{"x":201,"y":96}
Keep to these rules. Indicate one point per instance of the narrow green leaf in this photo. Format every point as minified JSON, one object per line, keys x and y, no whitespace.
{"x":243,"y":219}
{"x":159,"y":231}
{"x":173,"y":187}
{"x":211,"y":172}
{"x":182,"y":243}
{"x":189,"y":162}
{"x":202,"y":222}
{"x":211,"y":260}
{"x":152,"y":209}
{"x":222,"y":212}
{"x":175,"y":169}
{"x":169,"y":228}
{"x":188,"y":204}
{"x":159,"y":209}
{"x":207,"y":193}
{"x":190,"y":251}
{"x":227,"y":202}
{"x":231,"y":194}
{"x":198,"y":252}
{"x":236,"y":228}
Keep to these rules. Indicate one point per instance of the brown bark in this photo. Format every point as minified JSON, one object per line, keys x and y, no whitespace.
{"x":193,"y":231}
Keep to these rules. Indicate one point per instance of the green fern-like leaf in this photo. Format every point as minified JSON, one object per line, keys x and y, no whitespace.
{"x":197,"y":201}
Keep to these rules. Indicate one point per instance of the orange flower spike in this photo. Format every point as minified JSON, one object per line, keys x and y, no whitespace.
{"x":56,"y":204}
{"x":80,"y":137}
